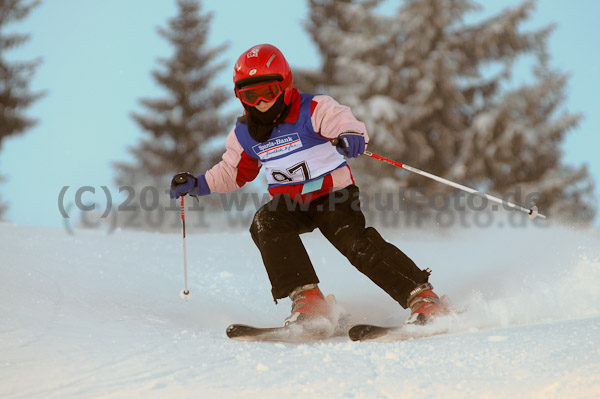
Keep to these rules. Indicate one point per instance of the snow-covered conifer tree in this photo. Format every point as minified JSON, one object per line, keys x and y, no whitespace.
{"x":435,"y":93}
{"x":15,"y":96}
{"x":178,"y":124}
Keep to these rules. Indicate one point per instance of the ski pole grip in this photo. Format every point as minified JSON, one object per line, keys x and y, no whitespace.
{"x":181,"y":178}
{"x":337,"y":142}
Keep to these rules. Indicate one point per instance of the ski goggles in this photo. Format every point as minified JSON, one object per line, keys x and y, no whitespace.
{"x":267,"y":92}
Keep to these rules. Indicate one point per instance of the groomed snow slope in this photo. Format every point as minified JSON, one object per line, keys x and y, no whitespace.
{"x":96,"y":315}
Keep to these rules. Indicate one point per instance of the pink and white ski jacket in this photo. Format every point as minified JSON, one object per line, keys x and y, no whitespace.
{"x":298,"y":157}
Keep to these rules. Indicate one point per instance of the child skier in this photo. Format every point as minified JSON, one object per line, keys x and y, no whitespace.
{"x":291,"y":134}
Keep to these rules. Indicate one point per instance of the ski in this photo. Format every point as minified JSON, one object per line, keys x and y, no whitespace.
{"x":316,"y":330}
{"x":373,"y":333}
{"x":290,"y":334}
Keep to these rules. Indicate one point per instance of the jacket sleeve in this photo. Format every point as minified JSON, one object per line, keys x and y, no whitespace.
{"x":329,"y":118}
{"x":236,"y":168}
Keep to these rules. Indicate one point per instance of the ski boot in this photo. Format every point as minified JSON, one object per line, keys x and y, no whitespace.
{"x":316,"y":315}
{"x":308,"y":303}
{"x":424,"y":304}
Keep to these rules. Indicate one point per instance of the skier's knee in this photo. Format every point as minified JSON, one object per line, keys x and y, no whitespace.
{"x":260,"y":221}
{"x":362,"y":247}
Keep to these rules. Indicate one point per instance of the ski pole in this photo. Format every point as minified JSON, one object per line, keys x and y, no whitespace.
{"x":181,"y":178}
{"x":533,"y":212}
{"x":185,"y":293}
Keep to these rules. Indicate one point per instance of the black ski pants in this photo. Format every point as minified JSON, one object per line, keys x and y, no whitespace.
{"x":276,"y":230}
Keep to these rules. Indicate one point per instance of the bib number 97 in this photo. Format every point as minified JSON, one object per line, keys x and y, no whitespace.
{"x":300,"y":169}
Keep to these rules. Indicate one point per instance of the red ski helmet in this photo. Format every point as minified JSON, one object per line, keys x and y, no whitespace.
{"x":263,"y":63}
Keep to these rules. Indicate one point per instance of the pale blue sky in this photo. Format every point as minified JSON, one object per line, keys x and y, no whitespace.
{"x":98,"y":57}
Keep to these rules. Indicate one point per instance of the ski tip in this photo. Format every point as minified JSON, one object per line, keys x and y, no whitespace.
{"x":363,"y":332}
{"x":355,"y":333}
{"x":238,"y":331}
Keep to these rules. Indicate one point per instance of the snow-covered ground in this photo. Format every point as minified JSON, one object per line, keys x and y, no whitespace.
{"x":96,"y":315}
